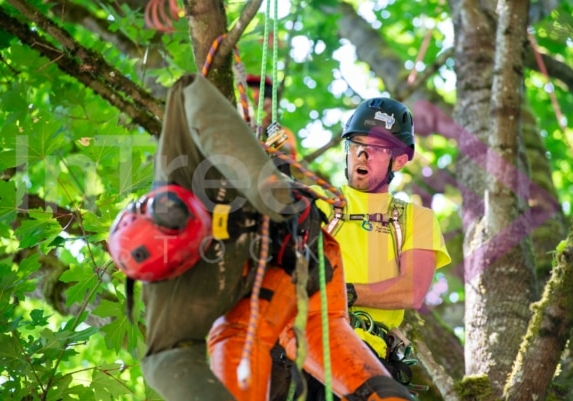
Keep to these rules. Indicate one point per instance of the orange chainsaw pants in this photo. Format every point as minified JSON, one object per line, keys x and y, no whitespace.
{"x":356,"y":373}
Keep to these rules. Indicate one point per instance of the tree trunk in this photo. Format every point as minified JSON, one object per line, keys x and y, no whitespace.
{"x":474,"y":44}
{"x":500,"y":283}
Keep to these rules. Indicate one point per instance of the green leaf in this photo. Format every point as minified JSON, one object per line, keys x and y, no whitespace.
{"x":10,"y":351}
{"x":29,"y":265}
{"x":85,"y":282}
{"x":120,"y":332}
{"x":12,"y":286}
{"x":83,"y":335}
{"x":13,"y":100}
{"x":41,"y":227}
{"x":9,"y":201}
{"x":78,"y":392}
{"x":46,"y":142}
{"x":38,"y":318}
{"x":106,"y":385}
{"x":59,"y":387}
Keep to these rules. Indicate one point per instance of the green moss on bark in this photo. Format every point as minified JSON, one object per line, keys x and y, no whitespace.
{"x":474,"y":388}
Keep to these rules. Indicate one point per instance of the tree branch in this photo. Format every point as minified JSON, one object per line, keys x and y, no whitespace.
{"x":555,"y":68}
{"x":438,"y":351}
{"x":548,"y":332}
{"x":148,"y":56}
{"x":86,"y":66}
{"x":235,"y":33}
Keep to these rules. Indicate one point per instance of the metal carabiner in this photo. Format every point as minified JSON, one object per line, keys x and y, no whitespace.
{"x":368,"y":320}
{"x":367,"y":225}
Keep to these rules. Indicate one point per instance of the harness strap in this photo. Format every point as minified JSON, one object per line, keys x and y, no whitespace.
{"x":397,"y":208}
{"x":333,"y":225}
{"x":370,"y":217}
{"x":397,"y":235}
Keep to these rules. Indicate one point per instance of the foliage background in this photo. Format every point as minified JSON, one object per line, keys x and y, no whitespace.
{"x":71,"y":157}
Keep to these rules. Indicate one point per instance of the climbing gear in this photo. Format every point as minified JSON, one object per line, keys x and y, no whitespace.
{"x":398,"y":358}
{"x":276,"y":136}
{"x":161,"y":235}
{"x":397,"y":211}
{"x":299,"y":235}
{"x":385,"y":118}
{"x":346,"y":346}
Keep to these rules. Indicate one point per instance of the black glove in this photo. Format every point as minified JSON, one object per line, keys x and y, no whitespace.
{"x":351,"y":294}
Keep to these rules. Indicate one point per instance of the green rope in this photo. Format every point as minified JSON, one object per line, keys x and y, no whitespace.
{"x":291,"y":391}
{"x":299,"y":326}
{"x":264,"y":58}
{"x":324,"y":312}
{"x":275,"y":107}
{"x":263,"y":68}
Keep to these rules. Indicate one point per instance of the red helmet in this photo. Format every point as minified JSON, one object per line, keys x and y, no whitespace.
{"x":161,"y":235}
{"x":255,"y":80}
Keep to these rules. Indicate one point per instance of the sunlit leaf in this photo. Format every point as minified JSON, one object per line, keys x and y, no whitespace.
{"x":84,"y":280}
{"x":9,"y":201}
{"x":120,"y":333}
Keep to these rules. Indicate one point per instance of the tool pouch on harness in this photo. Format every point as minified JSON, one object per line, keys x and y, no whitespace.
{"x":300,"y":233}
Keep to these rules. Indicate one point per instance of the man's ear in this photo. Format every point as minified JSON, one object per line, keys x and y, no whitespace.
{"x":399,"y":162}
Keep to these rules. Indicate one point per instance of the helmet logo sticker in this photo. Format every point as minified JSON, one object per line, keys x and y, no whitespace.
{"x":388,"y":120}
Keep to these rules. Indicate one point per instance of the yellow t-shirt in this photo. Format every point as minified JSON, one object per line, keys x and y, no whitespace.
{"x":368,"y":252}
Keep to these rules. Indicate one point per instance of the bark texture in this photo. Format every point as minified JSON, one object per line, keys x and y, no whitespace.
{"x":547,"y":335}
{"x":497,"y":192}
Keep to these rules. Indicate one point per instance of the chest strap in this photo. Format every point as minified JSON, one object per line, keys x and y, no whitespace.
{"x":397,"y":208}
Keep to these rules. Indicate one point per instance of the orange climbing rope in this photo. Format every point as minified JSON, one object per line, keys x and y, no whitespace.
{"x":240,"y":85}
{"x":157,"y":16}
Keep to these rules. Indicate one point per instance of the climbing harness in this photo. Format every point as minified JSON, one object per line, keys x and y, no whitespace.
{"x":398,"y":357}
{"x":397,"y":211}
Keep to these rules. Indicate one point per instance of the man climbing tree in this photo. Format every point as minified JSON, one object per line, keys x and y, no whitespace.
{"x":82,"y":92}
{"x":202,"y":144}
{"x":390,"y":248}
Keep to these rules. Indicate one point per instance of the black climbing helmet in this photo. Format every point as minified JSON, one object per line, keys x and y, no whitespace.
{"x":386,"y":118}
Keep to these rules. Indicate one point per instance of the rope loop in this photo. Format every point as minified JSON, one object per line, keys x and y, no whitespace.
{"x":211,"y":54}
{"x":156,"y":16}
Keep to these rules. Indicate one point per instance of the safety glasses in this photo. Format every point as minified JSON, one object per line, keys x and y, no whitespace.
{"x":356,"y":148}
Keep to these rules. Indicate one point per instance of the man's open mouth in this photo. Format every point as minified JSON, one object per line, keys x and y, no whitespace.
{"x":362,"y":171}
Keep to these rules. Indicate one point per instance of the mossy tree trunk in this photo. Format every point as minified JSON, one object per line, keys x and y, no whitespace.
{"x":499,"y":271}
{"x":548,"y":333}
